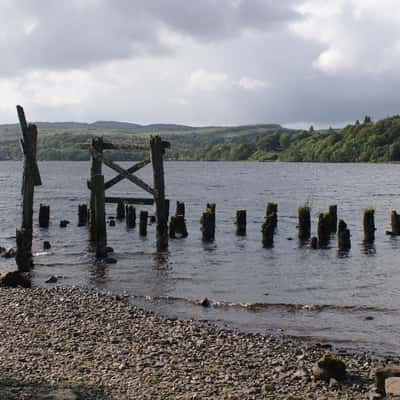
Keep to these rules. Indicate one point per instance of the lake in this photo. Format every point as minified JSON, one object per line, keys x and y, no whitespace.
{"x":351,"y":300}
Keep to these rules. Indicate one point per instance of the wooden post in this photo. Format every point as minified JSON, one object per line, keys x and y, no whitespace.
{"x":120,"y":211}
{"x":395,"y":222}
{"x":180,"y":208}
{"x":314,"y":243}
{"x":268,"y":231}
{"x":44,"y":215}
{"x":208,"y":225}
{"x":157,"y":148}
{"x":31,"y":178}
{"x":95,"y":169}
{"x":343,"y":236}
{"x":272,"y":212}
{"x":100,"y":215}
{"x":304,"y":222}
{"x":172,"y":228}
{"x":369,"y":225}
{"x":323,"y":230}
{"x":143,"y":216}
{"x":241,"y":220}
{"x":130,"y":217}
{"x":82,"y":215}
{"x":333,"y":218}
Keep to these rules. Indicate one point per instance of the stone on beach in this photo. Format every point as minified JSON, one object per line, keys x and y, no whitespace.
{"x":382,"y":374}
{"x":330,"y":366}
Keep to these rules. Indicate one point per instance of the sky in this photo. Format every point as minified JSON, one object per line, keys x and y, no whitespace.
{"x":200,"y":62}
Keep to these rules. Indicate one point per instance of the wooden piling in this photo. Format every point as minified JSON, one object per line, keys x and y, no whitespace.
{"x":82,"y":215}
{"x":157,"y":148}
{"x":120,"y":211}
{"x":369,"y":225}
{"x":343,"y":237}
{"x":272,"y":211}
{"x":304,"y":222}
{"x":395,"y":222}
{"x":314,"y":243}
{"x":23,"y":255}
{"x":180,"y":208}
{"x":143,"y":216}
{"x":130,"y":217}
{"x":208,"y":225}
{"x":44,"y":215}
{"x":31,"y":178}
{"x":323,"y":230}
{"x":333,"y":218}
{"x":267,"y":230}
{"x":241,"y":220}
{"x":95,"y":169}
{"x":100,"y":216}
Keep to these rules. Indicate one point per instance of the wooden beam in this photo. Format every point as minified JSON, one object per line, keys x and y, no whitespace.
{"x":118,"y":146}
{"x":131,"y":170}
{"x":161,"y":205}
{"x":130,"y":200}
{"x":111,"y":164}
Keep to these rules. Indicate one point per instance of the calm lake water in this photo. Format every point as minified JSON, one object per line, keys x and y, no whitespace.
{"x":351,"y":300}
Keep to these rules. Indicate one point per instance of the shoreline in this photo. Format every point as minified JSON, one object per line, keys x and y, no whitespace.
{"x":98,"y":346}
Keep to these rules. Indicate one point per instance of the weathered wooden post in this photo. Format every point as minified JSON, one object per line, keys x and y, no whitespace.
{"x":395,"y":222}
{"x":130,"y":217}
{"x":143,"y":216}
{"x":241,"y":219}
{"x":272,"y":212}
{"x":304,"y":222}
{"x":120,"y":211}
{"x":314,"y":243}
{"x":100,"y":216}
{"x":82,"y":215}
{"x":208,"y":225}
{"x":177,"y":226}
{"x":44,"y":215}
{"x":97,"y":144}
{"x":323,"y":230}
{"x":31,"y":178}
{"x":369,"y":225}
{"x":157,"y":148}
{"x":267,"y":230}
{"x":333,"y":218}
{"x":180,"y":208}
{"x":343,"y":236}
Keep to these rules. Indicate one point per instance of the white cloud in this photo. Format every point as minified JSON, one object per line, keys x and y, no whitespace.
{"x":252,"y":84}
{"x":204,"y":81}
{"x":357,"y":36}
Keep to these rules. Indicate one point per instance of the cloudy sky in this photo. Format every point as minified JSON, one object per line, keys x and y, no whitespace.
{"x":200,"y":62}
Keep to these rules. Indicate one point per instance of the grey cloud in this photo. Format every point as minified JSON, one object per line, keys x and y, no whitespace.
{"x":78,"y":33}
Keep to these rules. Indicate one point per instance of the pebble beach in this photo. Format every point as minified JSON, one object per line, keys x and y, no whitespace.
{"x":69,"y":344}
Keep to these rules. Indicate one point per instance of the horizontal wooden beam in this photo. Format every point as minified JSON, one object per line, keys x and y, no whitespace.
{"x":118,"y":146}
{"x":111,"y":164}
{"x":130,"y":200}
{"x":131,"y":170}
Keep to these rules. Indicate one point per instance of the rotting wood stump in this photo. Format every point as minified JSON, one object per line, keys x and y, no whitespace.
{"x":343,"y":237}
{"x":323,"y":230}
{"x":241,"y":221}
{"x":44,"y":215}
{"x":304,"y":222}
{"x":369,"y":225}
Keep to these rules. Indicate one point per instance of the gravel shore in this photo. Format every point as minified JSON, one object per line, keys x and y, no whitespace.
{"x":71,"y":344}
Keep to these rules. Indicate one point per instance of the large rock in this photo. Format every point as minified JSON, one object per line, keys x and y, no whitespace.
{"x":392,"y":388}
{"x":381,"y":374}
{"x":15,"y":279}
{"x":329,"y":366}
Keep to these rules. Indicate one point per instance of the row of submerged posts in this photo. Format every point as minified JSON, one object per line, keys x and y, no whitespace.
{"x":94,"y":214}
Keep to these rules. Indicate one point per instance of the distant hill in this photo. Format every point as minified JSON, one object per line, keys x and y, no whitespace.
{"x":360,"y":142}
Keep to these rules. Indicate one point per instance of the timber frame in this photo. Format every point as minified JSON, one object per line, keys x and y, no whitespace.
{"x":97,"y":186}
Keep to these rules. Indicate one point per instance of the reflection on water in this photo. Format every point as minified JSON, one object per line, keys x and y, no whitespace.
{"x":351,"y":297}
